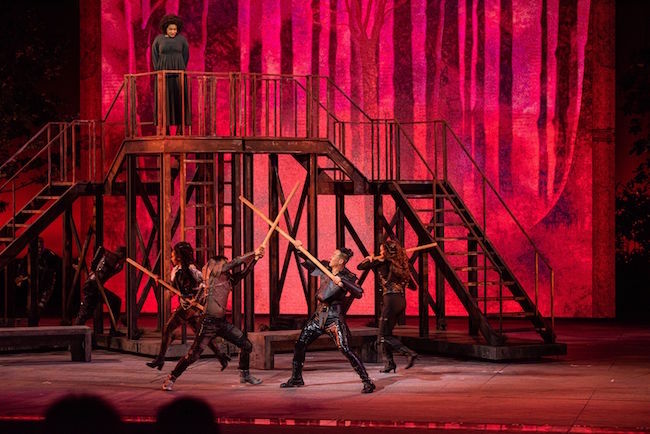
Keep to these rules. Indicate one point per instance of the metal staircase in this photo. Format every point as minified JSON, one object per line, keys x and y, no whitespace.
{"x":347,"y":153}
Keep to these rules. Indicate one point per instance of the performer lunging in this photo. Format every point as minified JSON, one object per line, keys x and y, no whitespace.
{"x":219,"y":276}
{"x":105,"y":265}
{"x":330,"y":316}
{"x":392,"y":269}
{"x":187,"y":279}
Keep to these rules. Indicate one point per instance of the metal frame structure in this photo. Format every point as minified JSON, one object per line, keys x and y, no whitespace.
{"x":199,"y":174}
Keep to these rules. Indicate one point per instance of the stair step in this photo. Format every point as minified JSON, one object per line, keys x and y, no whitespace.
{"x":451,"y":225}
{"x":19,"y":225}
{"x":32,"y":211}
{"x":462,"y":253}
{"x":48,"y":197}
{"x":200,"y":205}
{"x":199,"y":183}
{"x":489,"y":267}
{"x":200,"y":161}
{"x":431,"y":210}
{"x":489,"y":283}
{"x":455,"y":238}
{"x":6,"y":239}
{"x":227,"y":225}
{"x":497,"y":298}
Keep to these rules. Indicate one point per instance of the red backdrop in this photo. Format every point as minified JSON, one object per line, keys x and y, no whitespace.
{"x":527,"y":86}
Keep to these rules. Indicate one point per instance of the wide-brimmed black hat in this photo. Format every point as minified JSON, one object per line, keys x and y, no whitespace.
{"x":171,"y":19}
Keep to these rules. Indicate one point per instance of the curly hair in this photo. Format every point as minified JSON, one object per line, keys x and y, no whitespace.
{"x":399,"y":262}
{"x":171,"y":19}
{"x":184,"y":253}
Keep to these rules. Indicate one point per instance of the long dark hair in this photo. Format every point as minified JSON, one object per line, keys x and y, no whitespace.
{"x":185,"y":254}
{"x":399,"y":262}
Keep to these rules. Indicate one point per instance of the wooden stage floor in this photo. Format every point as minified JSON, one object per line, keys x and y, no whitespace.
{"x":602,"y":385}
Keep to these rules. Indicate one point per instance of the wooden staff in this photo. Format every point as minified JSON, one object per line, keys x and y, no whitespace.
{"x":100,"y":285}
{"x":304,"y":251}
{"x":162,"y":282}
{"x":412,"y":249}
{"x":277,"y":219}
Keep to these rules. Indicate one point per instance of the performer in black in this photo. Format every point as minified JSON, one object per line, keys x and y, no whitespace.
{"x":105,"y":265}
{"x":187,"y":279}
{"x":49,"y":266}
{"x":392,"y":269}
{"x":219,"y":276}
{"x":329,"y":317}
{"x":170,"y":51}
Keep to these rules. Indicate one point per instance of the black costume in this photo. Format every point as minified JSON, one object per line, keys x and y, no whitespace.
{"x":393,"y":305}
{"x":105,"y":265}
{"x":172,"y":54}
{"x":329,"y":318}
{"x":49,"y":266}
{"x":187,"y":281}
{"x":218,"y":283}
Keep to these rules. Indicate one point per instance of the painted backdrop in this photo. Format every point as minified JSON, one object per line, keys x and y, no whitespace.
{"x":515,"y":80}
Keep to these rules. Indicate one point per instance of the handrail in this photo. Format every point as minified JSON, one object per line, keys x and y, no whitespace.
{"x":19,"y":171}
{"x":110,"y":108}
{"x":33,"y":138}
{"x":489,"y":183}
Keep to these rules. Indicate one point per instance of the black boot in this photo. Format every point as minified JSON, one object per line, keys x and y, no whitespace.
{"x":246,"y":377}
{"x":296,"y":376}
{"x":411,"y":356}
{"x":368,"y":387}
{"x":223,"y":359}
{"x":389,"y":365}
{"x":158,"y":363}
{"x":387,"y":355}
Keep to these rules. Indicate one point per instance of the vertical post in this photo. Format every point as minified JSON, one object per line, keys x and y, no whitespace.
{"x":131,"y":247}
{"x":423,"y":291}
{"x":377,"y":239}
{"x":221,"y":237}
{"x":165,"y":234}
{"x":66,"y":268}
{"x":312,"y":225}
{"x":340,"y":219}
{"x":472,"y":279}
{"x":32,"y":300}
{"x":99,"y":241}
{"x":274,"y":243}
{"x":182,"y":178}
{"x":441,"y":320}
{"x":236,"y":234}
{"x":249,"y":240}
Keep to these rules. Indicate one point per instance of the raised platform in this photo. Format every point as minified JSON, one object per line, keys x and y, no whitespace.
{"x":458,"y":344}
{"x":149,"y":345}
{"x":76,"y":339}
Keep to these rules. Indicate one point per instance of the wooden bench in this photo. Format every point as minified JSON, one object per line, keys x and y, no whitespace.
{"x":267,"y":344}
{"x":78,"y":339}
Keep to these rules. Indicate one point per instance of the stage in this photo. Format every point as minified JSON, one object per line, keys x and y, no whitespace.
{"x":602,"y":385}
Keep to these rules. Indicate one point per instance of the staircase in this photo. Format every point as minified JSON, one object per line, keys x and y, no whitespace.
{"x":51,"y":160}
{"x":356,"y":155}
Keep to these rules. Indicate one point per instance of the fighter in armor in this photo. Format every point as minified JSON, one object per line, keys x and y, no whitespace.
{"x":392,"y":268}
{"x":187,"y":279}
{"x":334,"y":297}
{"x":105,"y":264}
{"x":219,"y":276}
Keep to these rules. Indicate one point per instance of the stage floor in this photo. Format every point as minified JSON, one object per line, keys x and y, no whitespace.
{"x":602,"y":385}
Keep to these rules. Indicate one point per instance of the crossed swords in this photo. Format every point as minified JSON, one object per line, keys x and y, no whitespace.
{"x":273,"y":227}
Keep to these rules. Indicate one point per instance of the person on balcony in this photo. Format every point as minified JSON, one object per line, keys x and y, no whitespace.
{"x":219,"y":277}
{"x":170,"y":52}
{"x":392,"y":269}
{"x":187,"y":279}
{"x":333,"y":302}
